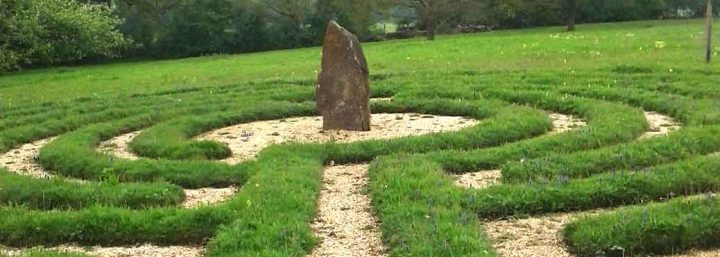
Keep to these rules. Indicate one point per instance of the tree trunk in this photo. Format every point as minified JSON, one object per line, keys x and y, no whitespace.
{"x":431,"y":30}
{"x":296,"y":31}
{"x":572,"y":13}
{"x":708,"y":31}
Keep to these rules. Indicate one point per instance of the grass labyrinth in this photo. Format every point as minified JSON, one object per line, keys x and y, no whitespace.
{"x":615,"y":158}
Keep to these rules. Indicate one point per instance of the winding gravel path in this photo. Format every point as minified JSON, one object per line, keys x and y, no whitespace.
{"x":539,"y":236}
{"x":485,"y":178}
{"x":345,"y":221}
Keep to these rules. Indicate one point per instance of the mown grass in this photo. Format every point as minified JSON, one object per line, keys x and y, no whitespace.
{"x":593,"y":46}
{"x":659,"y":228}
{"x":606,"y":74}
{"x":49,"y":194}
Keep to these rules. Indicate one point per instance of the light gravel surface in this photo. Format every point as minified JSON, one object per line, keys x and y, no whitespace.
{"x":345,"y":223}
{"x":248,"y":139}
{"x":206,"y":196}
{"x":539,"y":236}
{"x":660,"y":125}
{"x":21,"y":160}
{"x":485,"y":178}
{"x":119,"y":146}
{"x":130,"y":251}
{"x":564,"y":123}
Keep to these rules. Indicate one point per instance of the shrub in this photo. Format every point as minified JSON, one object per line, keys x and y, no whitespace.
{"x":48,"y":32}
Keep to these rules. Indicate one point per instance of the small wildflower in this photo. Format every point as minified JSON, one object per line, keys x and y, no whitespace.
{"x":659,"y":44}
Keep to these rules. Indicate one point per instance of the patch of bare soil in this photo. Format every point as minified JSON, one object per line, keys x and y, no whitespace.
{"x":247,"y":140}
{"x":133,"y":251}
{"x":660,"y":125}
{"x":345,"y":222}
{"x":119,"y":146}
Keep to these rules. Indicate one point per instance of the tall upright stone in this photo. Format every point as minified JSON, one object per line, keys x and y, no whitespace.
{"x":342,"y":92}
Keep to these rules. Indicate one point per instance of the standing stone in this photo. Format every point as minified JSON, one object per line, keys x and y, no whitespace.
{"x":342,"y":92}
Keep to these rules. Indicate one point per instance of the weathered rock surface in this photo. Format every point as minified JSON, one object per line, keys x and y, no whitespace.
{"x":343,"y":88}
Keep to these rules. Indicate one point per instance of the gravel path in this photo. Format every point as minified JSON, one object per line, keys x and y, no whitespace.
{"x":345,"y":223}
{"x":485,"y":178}
{"x":134,"y":251}
{"x":21,"y":160}
{"x":248,"y":139}
{"x":660,"y":125}
{"x":539,"y":236}
{"x":119,"y":146}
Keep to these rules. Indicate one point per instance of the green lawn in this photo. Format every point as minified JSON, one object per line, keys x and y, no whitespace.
{"x":592,"y":47}
{"x":605,"y":74}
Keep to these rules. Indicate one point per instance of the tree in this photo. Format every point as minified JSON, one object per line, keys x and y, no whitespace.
{"x":46,"y":32}
{"x":431,"y":13}
{"x":708,"y":31}
{"x":295,"y":12}
{"x":201,"y":27}
{"x":571,"y":8}
{"x":147,"y":21}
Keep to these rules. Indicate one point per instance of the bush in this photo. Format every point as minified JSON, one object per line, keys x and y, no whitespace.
{"x":47,"y":32}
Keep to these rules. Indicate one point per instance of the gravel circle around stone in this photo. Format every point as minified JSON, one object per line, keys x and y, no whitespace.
{"x":248,"y":139}
{"x":344,"y":206}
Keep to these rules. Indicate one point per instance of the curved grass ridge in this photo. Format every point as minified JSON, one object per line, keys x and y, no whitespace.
{"x":602,"y":130}
{"x":56,"y":194}
{"x":660,"y":228}
{"x":623,"y":187}
{"x":683,"y":144}
{"x":171,"y":139}
{"x":264,"y":201}
{"x":422,"y":212}
{"x":410,"y":230}
{"x":88,"y":164}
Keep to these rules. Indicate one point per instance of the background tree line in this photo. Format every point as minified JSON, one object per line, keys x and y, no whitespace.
{"x":37,"y":33}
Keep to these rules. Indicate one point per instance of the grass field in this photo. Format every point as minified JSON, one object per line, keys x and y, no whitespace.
{"x":649,"y":192}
